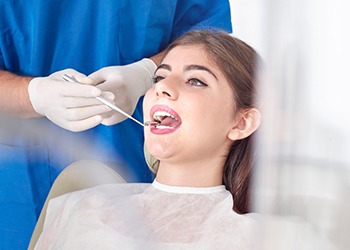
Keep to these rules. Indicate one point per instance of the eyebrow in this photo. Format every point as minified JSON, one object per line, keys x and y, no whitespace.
{"x":188,"y":68}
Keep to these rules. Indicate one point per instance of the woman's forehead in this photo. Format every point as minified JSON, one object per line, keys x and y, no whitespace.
{"x":190,"y":54}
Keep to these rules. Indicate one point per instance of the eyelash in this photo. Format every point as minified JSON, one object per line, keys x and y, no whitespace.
{"x":190,"y":81}
{"x":156,"y":79}
{"x":196,"y":82}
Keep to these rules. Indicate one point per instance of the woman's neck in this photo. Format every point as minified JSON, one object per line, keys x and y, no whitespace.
{"x":189,"y":174}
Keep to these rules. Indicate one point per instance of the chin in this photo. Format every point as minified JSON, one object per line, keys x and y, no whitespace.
{"x":159,"y":151}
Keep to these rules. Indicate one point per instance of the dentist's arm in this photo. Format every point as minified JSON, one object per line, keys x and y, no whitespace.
{"x":14,"y":97}
{"x":70,"y":106}
{"x":73,"y":106}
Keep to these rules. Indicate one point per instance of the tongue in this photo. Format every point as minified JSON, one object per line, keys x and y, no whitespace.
{"x":170,"y":122}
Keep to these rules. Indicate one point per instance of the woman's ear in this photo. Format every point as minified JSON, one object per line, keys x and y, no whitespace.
{"x":248,"y":121}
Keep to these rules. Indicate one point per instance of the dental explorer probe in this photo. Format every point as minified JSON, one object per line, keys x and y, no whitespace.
{"x":68,"y":78}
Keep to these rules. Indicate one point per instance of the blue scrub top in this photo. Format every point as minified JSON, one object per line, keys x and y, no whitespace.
{"x":38,"y":38}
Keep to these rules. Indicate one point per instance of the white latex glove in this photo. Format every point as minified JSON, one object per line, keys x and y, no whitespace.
{"x":128,"y":83}
{"x":71,"y":106}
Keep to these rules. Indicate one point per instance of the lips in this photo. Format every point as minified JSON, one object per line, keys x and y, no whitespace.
{"x":168,"y":120}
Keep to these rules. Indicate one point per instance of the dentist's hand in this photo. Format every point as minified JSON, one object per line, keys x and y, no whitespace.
{"x":71,"y":106}
{"x":128,"y":83}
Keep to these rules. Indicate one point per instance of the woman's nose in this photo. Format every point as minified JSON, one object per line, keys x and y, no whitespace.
{"x":166,"y":88}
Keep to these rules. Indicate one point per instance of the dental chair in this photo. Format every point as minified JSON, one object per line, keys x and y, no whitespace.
{"x":77,"y":176}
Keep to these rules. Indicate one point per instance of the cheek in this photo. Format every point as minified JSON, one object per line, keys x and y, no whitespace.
{"x":208,"y":111}
{"x":218,"y":115}
{"x":218,"y":124}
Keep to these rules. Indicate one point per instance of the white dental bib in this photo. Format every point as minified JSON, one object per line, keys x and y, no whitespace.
{"x":146,"y":216}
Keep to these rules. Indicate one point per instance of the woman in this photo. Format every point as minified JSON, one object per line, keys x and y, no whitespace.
{"x":203,"y":106}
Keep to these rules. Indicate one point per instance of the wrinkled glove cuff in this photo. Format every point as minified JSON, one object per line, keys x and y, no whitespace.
{"x":34,"y":95}
{"x":150,"y":67}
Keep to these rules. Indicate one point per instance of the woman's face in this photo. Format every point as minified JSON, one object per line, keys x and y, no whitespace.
{"x":195,"y":103}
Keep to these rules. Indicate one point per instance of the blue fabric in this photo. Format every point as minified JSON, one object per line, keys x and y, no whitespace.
{"x":38,"y":38}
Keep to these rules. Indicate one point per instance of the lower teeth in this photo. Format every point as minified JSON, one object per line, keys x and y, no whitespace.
{"x":162,"y":126}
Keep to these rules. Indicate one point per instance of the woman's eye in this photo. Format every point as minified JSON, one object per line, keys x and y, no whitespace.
{"x":196,"y":82}
{"x":157,"y":79}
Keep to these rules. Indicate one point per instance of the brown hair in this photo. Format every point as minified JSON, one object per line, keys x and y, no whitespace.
{"x":238,"y":62}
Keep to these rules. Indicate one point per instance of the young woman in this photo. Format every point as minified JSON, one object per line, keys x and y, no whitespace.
{"x":203,"y":105}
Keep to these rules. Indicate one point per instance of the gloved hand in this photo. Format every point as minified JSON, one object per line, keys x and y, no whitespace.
{"x":128,"y":83}
{"x":69,"y":105}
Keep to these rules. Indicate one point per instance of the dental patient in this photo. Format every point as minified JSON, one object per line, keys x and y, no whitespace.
{"x":204,"y":115}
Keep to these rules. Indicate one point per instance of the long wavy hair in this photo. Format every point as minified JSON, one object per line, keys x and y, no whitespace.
{"x":238,"y":62}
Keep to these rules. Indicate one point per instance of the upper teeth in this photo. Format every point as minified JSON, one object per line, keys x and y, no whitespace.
{"x":161,"y":115}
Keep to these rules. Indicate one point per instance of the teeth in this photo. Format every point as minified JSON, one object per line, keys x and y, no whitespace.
{"x":161,"y":115}
{"x":163,"y":127}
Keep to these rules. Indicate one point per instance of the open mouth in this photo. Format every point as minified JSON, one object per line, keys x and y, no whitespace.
{"x":165,"y":120}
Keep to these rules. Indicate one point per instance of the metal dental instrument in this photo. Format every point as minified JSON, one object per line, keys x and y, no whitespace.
{"x":111,"y":105}
{"x":151,"y":123}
